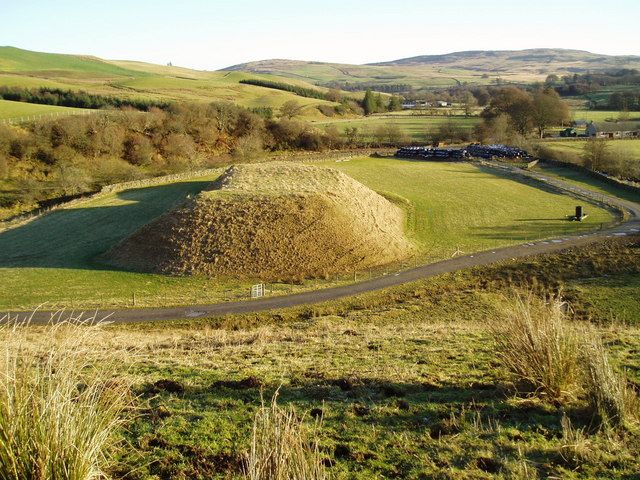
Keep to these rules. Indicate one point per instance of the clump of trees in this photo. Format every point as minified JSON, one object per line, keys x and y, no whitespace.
{"x":525,"y":111}
{"x":579,"y":84}
{"x":597,"y":155}
{"x":375,"y":103}
{"x":621,"y":101}
{"x":287,"y":87}
{"x":76,"y":99}
{"x":587,"y":83}
{"x":394,"y":88}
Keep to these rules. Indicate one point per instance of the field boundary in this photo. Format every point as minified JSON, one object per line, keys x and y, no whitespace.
{"x":34,"y":118}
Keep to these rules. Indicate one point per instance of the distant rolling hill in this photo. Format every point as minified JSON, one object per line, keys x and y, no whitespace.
{"x":450,"y":69}
{"x":19,"y":61}
{"x":544,"y":60}
{"x":139,"y":80}
{"x":131,"y":79}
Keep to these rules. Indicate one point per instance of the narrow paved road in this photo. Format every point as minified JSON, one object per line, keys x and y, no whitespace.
{"x":630,"y":226}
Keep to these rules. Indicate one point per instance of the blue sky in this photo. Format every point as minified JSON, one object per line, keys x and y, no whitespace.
{"x":214,"y":34}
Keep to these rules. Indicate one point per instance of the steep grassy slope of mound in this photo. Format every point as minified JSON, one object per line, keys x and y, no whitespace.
{"x":272,"y":221}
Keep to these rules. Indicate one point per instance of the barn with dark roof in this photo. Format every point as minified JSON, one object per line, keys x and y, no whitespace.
{"x":613,"y":130}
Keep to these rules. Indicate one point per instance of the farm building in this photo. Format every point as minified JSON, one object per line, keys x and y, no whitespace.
{"x":613,"y":130}
{"x":408,"y":105}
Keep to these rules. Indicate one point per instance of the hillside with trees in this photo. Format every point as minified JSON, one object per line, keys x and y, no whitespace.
{"x":68,"y":156}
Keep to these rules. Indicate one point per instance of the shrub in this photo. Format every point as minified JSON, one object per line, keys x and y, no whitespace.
{"x":450,"y":132}
{"x":562,"y":361}
{"x":281,"y":447}
{"x":248,"y":147}
{"x":539,"y":347}
{"x":58,"y":411}
{"x":596,"y":154}
{"x":138,"y":150}
{"x":327,"y":110}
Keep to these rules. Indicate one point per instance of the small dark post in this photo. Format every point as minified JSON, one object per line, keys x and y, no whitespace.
{"x":579,"y":213}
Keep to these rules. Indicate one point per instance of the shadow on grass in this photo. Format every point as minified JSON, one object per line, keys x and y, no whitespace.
{"x":360,"y":416}
{"x":73,"y":237}
{"x":569,"y":174}
{"x":439,"y":411}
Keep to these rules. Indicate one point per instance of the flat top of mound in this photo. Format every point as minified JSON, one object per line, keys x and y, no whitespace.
{"x":275,"y":221}
{"x":284,"y":178}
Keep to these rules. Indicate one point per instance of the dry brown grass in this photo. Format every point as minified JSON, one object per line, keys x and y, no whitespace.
{"x":540,"y":347}
{"x":282,"y":448}
{"x":576,"y":447}
{"x":59,"y":410}
{"x":563,"y":360}
{"x":275,"y":222}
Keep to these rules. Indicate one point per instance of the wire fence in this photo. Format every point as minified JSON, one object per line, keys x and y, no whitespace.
{"x":46,"y":116}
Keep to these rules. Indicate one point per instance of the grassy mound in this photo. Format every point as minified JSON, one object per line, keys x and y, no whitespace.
{"x":272,"y":221}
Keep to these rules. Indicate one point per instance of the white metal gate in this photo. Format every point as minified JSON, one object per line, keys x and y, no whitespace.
{"x":257,"y":290}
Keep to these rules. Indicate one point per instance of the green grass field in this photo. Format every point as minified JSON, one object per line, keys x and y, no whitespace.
{"x":17,"y":60}
{"x":417,"y":128}
{"x":16,"y":110}
{"x":461,"y":205}
{"x":623,"y":148}
{"x":454,"y":205}
{"x":603,"y":115}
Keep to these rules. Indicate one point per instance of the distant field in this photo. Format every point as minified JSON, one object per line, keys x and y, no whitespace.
{"x":602,"y":115}
{"x":25,"y":61}
{"x":455,"y":206}
{"x":215,"y":87}
{"x":416,"y":128}
{"x":15,"y":110}
{"x":624,"y":148}
{"x":418,"y":76}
